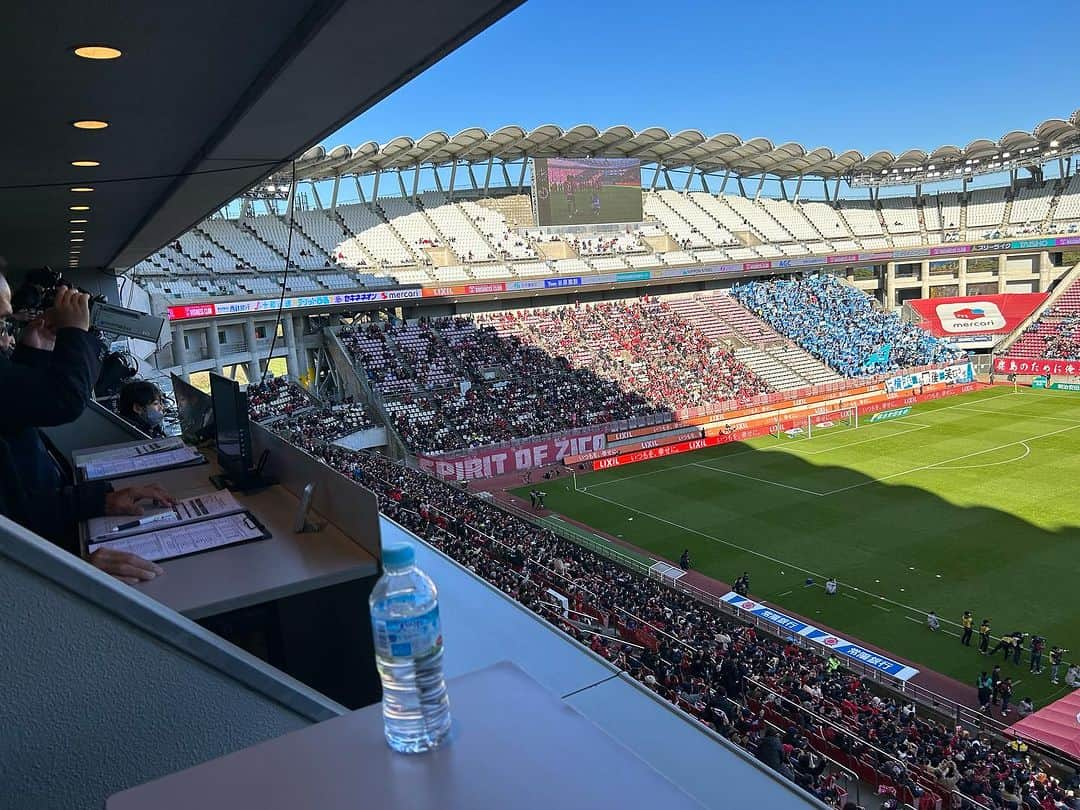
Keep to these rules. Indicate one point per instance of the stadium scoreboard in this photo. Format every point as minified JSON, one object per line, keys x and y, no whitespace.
{"x":586,"y":191}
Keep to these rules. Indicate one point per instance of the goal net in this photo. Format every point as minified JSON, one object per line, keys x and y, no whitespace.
{"x":805,"y":427}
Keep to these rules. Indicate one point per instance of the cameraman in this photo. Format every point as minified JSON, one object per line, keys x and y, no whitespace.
{"x":48,"y":381}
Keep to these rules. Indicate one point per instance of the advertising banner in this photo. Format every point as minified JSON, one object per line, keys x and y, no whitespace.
{"x":1028,"y":365}
{"x":464,"y":289}
{"x":894,"y":413}
{"x":528,"y":455}
{"x":179,"y":313}
{"x":834,"y":643}
{"x":976,"y":315}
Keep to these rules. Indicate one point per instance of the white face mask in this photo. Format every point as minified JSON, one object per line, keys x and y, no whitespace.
{"x":153,"y":416}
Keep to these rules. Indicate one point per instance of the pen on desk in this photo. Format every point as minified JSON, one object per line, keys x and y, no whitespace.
{"x":134,"y":524}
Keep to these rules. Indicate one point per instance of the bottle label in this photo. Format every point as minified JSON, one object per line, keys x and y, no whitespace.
{"x":408,"y":638}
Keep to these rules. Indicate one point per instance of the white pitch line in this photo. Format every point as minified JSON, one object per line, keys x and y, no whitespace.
{"x":787,"y":445}
{"x":1025,"y":454}
{"x":785,"y":593}
{"x":949,"y":460}
{"x":1017,"y":414}
{"x":918,"y":426}
{"x":786,"y":563}
{"x":882,"y":607}
{"x":761,"y":480}
{"x":642,"y":475}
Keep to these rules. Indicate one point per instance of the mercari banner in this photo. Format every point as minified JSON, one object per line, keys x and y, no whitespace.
{"x":982,"y":315}
{"x":837,"y":644}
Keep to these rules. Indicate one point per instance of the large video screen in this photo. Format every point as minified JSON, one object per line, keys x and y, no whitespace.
{"x":587,"y":190}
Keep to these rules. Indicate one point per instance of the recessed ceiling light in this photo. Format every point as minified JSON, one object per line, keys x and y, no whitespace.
{"x":90,"y":123}
{"x":77,"y":232}
{"x":86,"y":164}
{"x":97,"y":52}
{"x":77,"y":239}
{"x":82,"y":188}
{"x":78,"y":207}
{"x":78,"y":221}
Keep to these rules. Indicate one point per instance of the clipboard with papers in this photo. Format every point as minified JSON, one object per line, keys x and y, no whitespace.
{"x":204,"y":506}
{"x":183,"y":540}
{"x":110,"y":466}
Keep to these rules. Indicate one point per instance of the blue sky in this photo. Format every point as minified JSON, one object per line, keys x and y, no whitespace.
{"x":868,"y":76}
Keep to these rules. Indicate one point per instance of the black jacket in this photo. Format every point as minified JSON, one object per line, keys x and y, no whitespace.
{"x":42,"y":389}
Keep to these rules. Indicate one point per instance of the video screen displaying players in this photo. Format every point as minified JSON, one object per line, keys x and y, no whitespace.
{"x":584,"y":191}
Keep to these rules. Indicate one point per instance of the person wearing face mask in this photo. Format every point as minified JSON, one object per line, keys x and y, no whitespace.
{"x":141,"y":404}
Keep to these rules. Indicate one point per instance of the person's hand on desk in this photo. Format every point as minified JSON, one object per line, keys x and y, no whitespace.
{"x":125,"y":566}
{"x":126,"y":501}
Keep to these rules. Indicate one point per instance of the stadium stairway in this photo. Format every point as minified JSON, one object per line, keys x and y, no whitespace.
{"x":225,"y":249}
{"x":750,"y":329}
{"x":704,"y":320}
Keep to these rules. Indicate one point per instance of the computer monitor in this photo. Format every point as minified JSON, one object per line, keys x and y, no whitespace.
{"x":231,"y":426}
{"x":195,"y":410}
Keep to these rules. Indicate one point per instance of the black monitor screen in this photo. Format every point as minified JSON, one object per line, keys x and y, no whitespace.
{"x":196,"y":411}
{"x":231,"y":423}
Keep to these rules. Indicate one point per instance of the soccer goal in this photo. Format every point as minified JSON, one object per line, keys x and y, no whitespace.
{"x":806,"y":427}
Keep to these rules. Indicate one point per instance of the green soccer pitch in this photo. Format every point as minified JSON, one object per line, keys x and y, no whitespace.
{"x":617,"y":204}
{"x":966,"y":503}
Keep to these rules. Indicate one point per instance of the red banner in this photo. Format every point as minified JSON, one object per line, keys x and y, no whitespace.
{"x":183,"y":311}
{"x":982,"y":315}
{"x":464,"y":289}
{"x":1039,"y":366}
{"x":487,"y":463}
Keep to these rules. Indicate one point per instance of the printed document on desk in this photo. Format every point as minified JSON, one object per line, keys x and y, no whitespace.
{"x":132,"y":451}
{"x":119,"y":467}
{"x":180,"y":541}
{"x":190,"y":510}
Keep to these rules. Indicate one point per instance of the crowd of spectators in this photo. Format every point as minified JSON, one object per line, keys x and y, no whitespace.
{"x":449,"y":384}
{"x":780,"y":701}
{"x":841,"y":326}
{"x":643,"y":345}
{"x":1055,"y":334}
{"x":454,"y":383}
{"x":290,"y":412}
{"x":606,"y":244}
{"x":276,"y":397}
{"x":1064,"y":343}
{"x":326,"y":423}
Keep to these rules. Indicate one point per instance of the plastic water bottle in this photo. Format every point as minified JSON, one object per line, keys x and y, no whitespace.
{"x":408,"y":653}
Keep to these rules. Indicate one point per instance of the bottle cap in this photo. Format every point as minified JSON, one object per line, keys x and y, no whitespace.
{"x":398,"y":555}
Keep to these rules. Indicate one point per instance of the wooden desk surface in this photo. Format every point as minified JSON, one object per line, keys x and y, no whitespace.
{"x":230,"y":578}
{"x":513,"y":744}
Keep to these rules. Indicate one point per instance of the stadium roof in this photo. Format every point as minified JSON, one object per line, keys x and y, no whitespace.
{"x":206,"y":99}
{"x":692,"y":148}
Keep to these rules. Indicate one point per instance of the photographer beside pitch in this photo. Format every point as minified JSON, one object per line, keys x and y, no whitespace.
{"x":47,"y":381}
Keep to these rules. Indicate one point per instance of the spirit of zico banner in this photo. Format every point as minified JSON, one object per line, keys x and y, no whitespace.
{"x":834,"y":643}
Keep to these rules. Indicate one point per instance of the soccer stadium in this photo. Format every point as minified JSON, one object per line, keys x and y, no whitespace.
{"x":746,"y":468}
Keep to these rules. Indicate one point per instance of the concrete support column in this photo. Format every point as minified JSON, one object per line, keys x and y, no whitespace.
{"x":924,"y":277}
{"x":179,"y":353}
{"x":303,"y":366}
{"x":289,"y":336}
{"x":1002,"y":264}
{"x":254,"y":372}
{"x":1045,"y":268}
{"x":890,"y":285}
{"x":214,"y":345}
{"x":962,"y":277}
